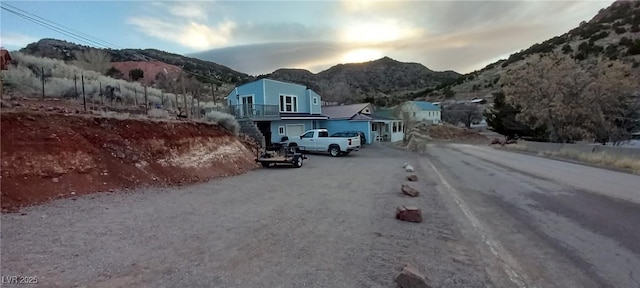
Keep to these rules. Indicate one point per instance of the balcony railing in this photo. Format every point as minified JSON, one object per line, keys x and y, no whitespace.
{"x":255,"y":111}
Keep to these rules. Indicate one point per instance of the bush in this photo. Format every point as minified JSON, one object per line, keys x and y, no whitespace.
{"x":620,"y":30}
{"x":225,"y":120}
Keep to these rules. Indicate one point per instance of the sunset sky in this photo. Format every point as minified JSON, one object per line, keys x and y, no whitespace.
{"x":257,"y":37}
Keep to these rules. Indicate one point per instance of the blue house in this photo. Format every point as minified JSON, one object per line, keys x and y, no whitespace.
{"x":277,"y":108}
{"x":361,"y":117}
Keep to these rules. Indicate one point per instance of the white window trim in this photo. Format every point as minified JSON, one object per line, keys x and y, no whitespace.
{"x":281,"y":130}
{"x":297,"y":106}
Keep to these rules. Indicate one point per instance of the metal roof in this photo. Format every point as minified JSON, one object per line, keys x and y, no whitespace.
{"x":426,"y":105}
{"x":343,"y":111}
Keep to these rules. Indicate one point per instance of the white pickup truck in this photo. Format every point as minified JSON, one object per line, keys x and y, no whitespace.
{"x":318,"y":140}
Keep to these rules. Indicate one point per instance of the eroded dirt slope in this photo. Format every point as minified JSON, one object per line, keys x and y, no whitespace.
{"x":47,"y":156}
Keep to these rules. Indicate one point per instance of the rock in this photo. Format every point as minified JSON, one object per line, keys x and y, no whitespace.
{"x":50,"y":108}
{"x":412,"y":177}
{"x":55,"y":180}
{"x":120,"y":154}
{"x":410,"y":277}
{"x":409,"y":168}
{"x":29,"y":117}
{"x":406,"y":189}
{"x":409,"y":214}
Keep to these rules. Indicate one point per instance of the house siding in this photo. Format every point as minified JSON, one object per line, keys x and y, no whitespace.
{"x":347,"y":125}
{"x":253,"y":88}
{"x":273,"y":90}
{"x":275,"y":133}
{"x":415,"y":113}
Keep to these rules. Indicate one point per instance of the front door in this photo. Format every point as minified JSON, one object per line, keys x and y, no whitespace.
{"x":247,"y":106}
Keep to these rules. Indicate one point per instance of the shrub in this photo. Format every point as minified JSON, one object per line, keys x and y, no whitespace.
{"x":225,"y":120}
{"x":157,"y":113}
{"x":620,"y":30}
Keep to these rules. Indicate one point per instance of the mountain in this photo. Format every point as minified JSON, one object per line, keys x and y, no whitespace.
{"x":207,"y":71}
{"x":614,"y":33}
{"x":373,"y":81}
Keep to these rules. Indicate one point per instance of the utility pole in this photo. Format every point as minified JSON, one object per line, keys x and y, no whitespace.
{"x":213,"y":94}
{"x":75,"y":84}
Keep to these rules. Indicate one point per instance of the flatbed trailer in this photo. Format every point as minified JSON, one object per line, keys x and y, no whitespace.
{"x":282,"y":154}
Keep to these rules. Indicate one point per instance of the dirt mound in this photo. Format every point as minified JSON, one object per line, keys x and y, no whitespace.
{"x":448,"y":132}
{"x":49,"y":155}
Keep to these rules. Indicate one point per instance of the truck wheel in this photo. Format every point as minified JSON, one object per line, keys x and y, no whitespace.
{"x":334,"y":151}
{"x":297,"y":161}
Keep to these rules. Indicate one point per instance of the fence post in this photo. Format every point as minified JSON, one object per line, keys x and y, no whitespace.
{"x":135,"y":97}
{"x":146,"y":102}
{"x":42,"y":71}
{"x":84,"y":99}
{"x":101,"y":102}
{"x":213,"y":95}
{"x":75,"y":84}
{"x":162,"y":98}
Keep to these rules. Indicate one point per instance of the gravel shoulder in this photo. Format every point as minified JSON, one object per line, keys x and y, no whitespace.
{"x":328,"y":224}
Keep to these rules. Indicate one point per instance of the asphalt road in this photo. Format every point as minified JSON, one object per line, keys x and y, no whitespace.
{"x":552,"y":223}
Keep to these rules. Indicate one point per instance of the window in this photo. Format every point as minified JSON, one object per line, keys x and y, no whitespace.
{"x":395,"y":127}
{"x":315,"y":100}
{"x":414,"y":114}
{"x":308,"y":135}
{"x":323,"y":134}
{"x":281,"y":130}
{"x":288,"y":103}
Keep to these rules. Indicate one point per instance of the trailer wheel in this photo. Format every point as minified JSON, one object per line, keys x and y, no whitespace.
{"x":266,"y":164}
{"x":297,"y":161}
{"x":334,"y":150}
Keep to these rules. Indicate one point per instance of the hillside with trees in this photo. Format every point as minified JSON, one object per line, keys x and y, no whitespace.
{"x":383,"y":81}
{"x":614,"y":34}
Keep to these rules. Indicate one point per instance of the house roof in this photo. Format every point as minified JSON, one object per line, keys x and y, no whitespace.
{"x":425,"y":105}
{"x":343,"y":111}
{"x":383,"y":114}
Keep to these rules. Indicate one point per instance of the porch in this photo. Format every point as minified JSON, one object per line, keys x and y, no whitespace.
{"x":387,"y":130}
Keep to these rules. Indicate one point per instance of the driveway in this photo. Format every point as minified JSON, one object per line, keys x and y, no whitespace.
{"x":328,"y":224}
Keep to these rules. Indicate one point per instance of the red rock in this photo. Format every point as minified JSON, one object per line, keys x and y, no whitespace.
{"x":409,"y":214}
{"x":406,"y":189}
{"x":410,"y":277}
{"x":412,"y":177}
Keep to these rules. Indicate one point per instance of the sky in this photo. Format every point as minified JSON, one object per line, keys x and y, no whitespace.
{"x":258,"y":37}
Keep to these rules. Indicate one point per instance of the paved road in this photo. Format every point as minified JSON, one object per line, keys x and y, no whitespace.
{"x":328,"y":224}
{"x":552,"y":223}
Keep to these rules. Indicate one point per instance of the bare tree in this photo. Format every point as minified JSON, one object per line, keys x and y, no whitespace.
{"x":466,"y":113}
{"x":93,"y":59}
{"x":571,"y":100}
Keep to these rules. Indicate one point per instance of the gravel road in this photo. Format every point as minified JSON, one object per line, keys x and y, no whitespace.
{"x":552,"y":223}
{"x":328,"y":224}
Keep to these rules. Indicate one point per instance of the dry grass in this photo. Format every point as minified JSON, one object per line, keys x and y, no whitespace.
{"x":599,"y":159}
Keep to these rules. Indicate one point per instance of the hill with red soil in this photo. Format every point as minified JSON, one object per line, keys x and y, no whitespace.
{"x":150,"y":69}
{"x":53,"y":155}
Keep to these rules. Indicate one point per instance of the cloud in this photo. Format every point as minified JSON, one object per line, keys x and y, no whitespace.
{"x":184,"y":23}
{"x":14,"y":41}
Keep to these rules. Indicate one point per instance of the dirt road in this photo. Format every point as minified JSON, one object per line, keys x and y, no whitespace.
{"x":554,"y":224}
{"x":328,"y":224}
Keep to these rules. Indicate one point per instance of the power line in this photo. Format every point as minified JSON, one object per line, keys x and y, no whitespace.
{"x":81,"y":36}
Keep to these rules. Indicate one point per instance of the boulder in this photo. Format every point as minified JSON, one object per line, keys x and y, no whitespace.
{"x":409,"y":214}
{"x":410,"y":277}
{"x":406,"y":189}
{"x":412,"y":177}
{"x":409,"y":168}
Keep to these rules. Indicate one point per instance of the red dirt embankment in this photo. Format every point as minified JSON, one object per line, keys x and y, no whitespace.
{"x":47,"y":156}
